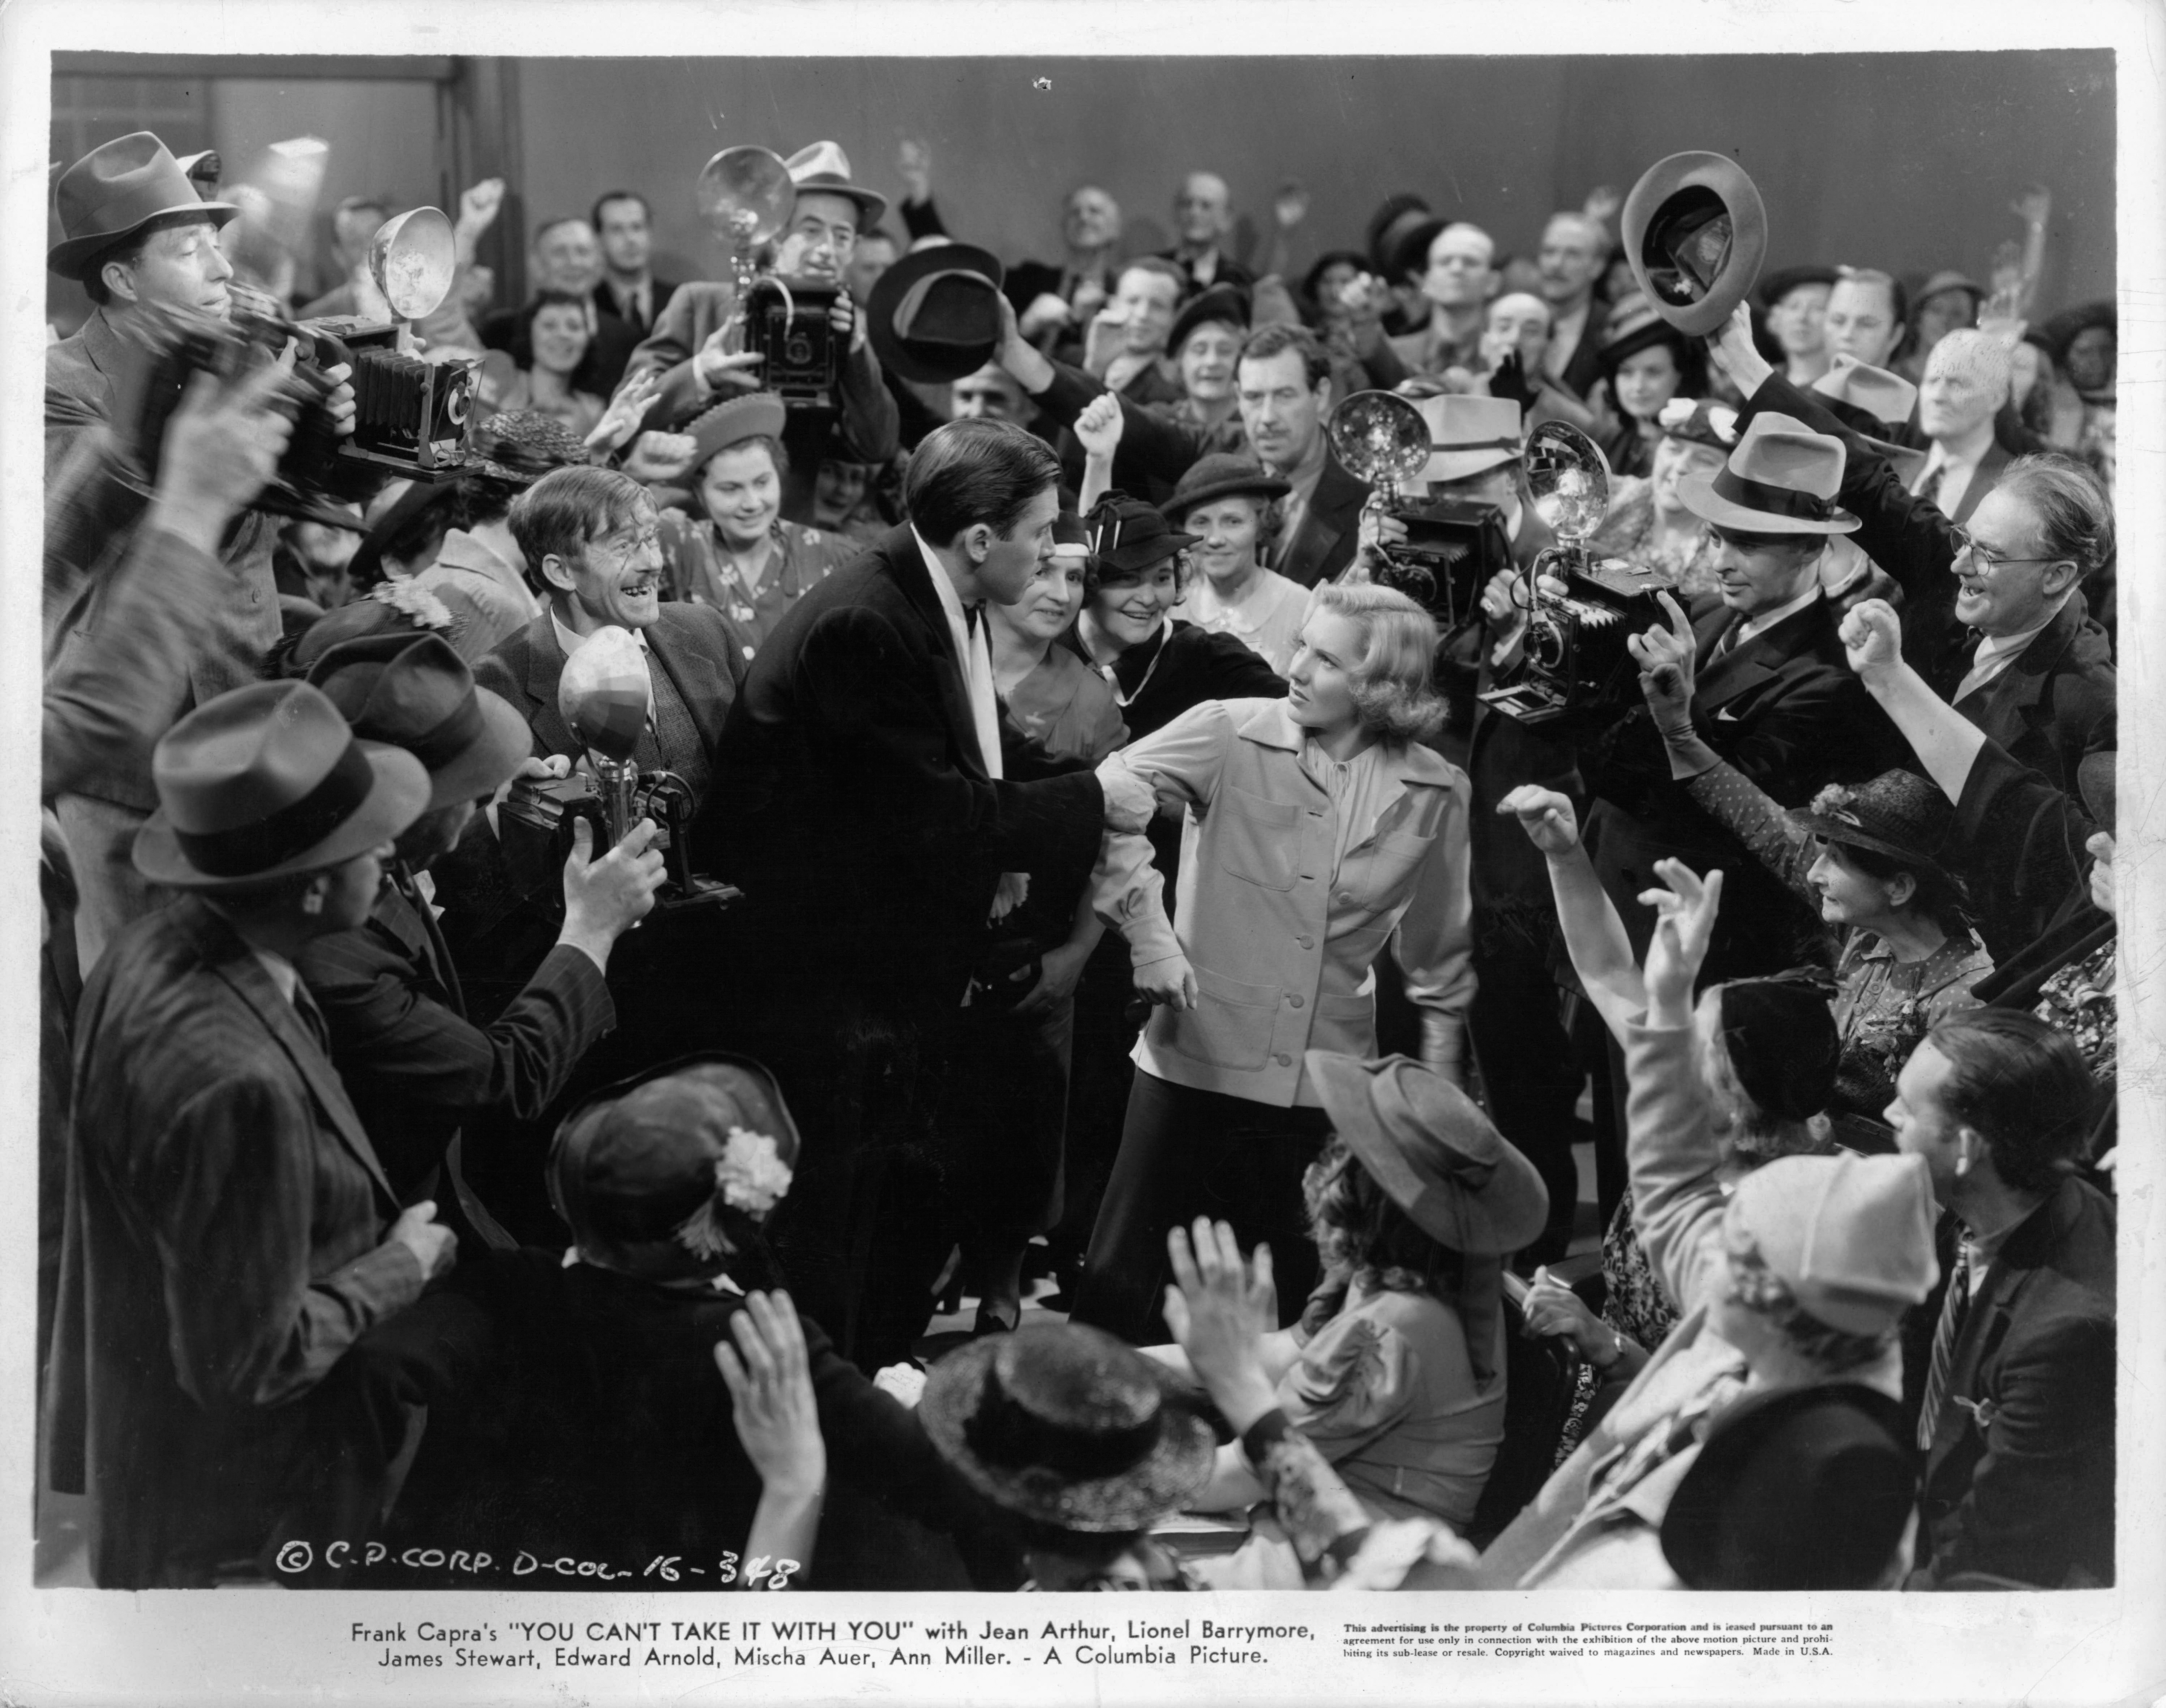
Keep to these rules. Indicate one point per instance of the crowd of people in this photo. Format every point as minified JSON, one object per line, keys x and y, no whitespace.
{"x":555,"y":968}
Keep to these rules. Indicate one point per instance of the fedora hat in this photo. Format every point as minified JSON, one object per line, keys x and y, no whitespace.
{"x":1694,"y":235}
{"x":413,"y":691}
{"x":755,"y":415}
{"x":823,"y":167}
{"x":267,"y":781}
{"x":1229,"y":304}
{"x":1221,"y":474}
{"x":1804,"y":1488}
{"x":1851,"y":1237}
{"x":1406,"y":244}
{"x":1774,"y":286}
{"x":1434,"y":1153}
{"x":1886,"y":397}
{"x":1781,"y":479}
{"x":935,"y":315}
{"x":1948,"y":279}
{"x":1067,"y":1427}
{"x":1468,"y":434}
{"x":113,"y":192}
{"x":647,"y":1172}
{"x":1126,"y":533}
{"x":1898,"y":813}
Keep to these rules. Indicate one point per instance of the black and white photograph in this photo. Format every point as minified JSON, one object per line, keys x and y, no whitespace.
{"x":903,"y":805}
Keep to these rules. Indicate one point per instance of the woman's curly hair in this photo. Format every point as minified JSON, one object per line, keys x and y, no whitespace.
{"x":1394,"y":680}
{"x":1361,"y":1234}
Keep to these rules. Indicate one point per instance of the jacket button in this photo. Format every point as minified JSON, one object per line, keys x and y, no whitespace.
{"x":1305,"y":941}
{"x":1283,"y":1060}
{"x":1294,"y":1001}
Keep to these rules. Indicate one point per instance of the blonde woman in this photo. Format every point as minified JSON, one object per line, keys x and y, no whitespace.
{"x":1325,"y":834}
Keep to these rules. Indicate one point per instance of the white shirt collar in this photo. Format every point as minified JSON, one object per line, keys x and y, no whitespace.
{"x":1990,"y":646}
{"x":1768,"y":619}
{"x":283,"y":973}
{"x":569,"y":640}
{"x":943,"y":588}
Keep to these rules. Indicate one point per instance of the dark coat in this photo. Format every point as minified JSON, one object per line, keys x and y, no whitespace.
{"x":2054,"y":704}
{"x":658,"y":293}
{"x":225,"y":1246}
{"x":2018,"y":1481}
{"x":863,"y":826}
{"x":1787,"y":710}
{"x":1181,"y":667}
{"x":1983,"y":478}
{"x":413,"y":1063}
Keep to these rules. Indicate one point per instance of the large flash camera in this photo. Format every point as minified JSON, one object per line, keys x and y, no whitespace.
{"x":1452,"y":548}
{"x":1577,"y":663}
{"x":409,"y":417}
{"x":746,"y":198}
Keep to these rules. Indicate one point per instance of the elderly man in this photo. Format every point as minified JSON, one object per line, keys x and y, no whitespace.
{"x":1203,"y":215}
{"x":1282,"y":385}
{"x":695,"y":347}
{"x":231,"y":1231}
{"x":566,"y":257}
{"x":144,"y":247}
{"x":628,"y":288}
{"x":2013,"y":1366}
{"x":1964,"y":384}
{"x":1053,"y":303}
{"x":991,"y":394}
{"x":1455,"y":277}
{"x":1573,"y":250}
{"x":874,"y":807}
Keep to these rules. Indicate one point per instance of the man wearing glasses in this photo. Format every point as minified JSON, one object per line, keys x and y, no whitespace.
{"x":1994,"y":613}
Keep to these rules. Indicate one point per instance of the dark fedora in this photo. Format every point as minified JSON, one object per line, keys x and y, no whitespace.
{"x":935,"y":315}
{"x":1067,"y":1427}
{"x":823,"y":167}
{"x":1126,"y":533}
{"x":1782,"y":479}
{"x":756,"y":416}
{"x":1887,"y":398}
{"x":1774,"y":286}
{"x":1408,"y":246}
{"x":267,"y":781}
{"x":1898,"y":813}
{"x":1694,"y":235}
{"x":1221,"y":474}
{"x":413,"y":691}
{"x":1794,"y":1488}
{"x":1228,"y":305}
{"x":648,"y":1171}
{"x":1434,"y":1153}
{"x":113,"y":192}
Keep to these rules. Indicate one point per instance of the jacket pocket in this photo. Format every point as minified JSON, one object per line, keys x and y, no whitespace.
{"x":1258,"y":841}
{"x":1230,"y":1027}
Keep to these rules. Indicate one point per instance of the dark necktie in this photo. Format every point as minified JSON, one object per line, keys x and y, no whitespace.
{"x":1726,"y":642}
{"x":1954,"y":1310}
{"x":312,"y":1019}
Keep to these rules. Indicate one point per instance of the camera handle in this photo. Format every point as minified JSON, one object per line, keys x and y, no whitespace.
{"x":668,"y":797}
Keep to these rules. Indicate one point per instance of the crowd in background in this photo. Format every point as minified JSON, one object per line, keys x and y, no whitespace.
{"x":1085,"y":884}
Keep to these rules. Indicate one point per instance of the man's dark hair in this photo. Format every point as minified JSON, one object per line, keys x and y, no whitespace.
{"x":567,"y":509}
{"x":2021,"y":1083}
{"x":130,"y":249}
{"x":1152,"y":263}
{"x":1266,"y":342}
{"x":972,"y":472}
{"x":595,"y":217}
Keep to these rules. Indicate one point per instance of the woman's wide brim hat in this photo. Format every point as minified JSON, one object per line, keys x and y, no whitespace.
{"x":1695,"y":233}
{"x":1221,"y":474}
{"x":1436,"y":1155}
{"x":1782,"y":479}
{"x":267,"y":781}
{"x":113,"y":192}
{"x":1898,"y":813}
{"x":1068,"y":1427}
{"x":935,"y":315}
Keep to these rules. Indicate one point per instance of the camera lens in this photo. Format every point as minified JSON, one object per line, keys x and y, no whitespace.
{"x":1545,"y":643}
{"x":798,"y":352}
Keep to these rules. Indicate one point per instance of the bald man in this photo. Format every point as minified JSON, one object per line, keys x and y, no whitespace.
{"x":1202,"y":215}
{"x":1965,"y":384}
{"x":1573,"y":250}
{"x":1459,"y":275}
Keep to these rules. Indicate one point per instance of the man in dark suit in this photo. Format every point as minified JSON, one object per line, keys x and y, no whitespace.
{"x":628,"y":287}
{"x":414,"y":1064}
{"x":1203,"y":215}
{"x":1284,"y":386}
{"x":230,"y":1229}
{"x":1053,"y":305}
{"x":1964,"y":386}
{"x":1771,"y":694}
{"x":872,"y":815}
{"x":2010,"y":1364}
{"x":1574,"y":249}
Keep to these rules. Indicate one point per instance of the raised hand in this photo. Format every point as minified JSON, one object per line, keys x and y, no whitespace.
{"x":1219,"y":1309}
{"x":626,"y":411}
{"x":1872,"y":636}
{"x":658,"y":458}
{"x":1667,"y":659}
{"x":1684,"y":924}
{"x":221,"y":444}
{"x":913,"y":164}
{"x":1546,"y":815}
{"x":478,"y":206}
{"x":1098,"y":428}
{"x":1290,"y":206}
{"x":768,"y":1375}
{"x":1736,"y":355}
{"x":724,"y":368}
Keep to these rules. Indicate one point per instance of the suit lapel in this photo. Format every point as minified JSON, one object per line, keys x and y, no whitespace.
{"x":695,"y":678}
{"x":545,"y":669}
{"x":1758,"y":660}
{"x":1322,"y":523}
{"x":231,"y":958}
{"x":1985,"y":1324}
{"x":902,"y":562}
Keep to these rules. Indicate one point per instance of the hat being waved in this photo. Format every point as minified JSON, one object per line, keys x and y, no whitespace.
{"x":935,"y":315}
{"x":1782,"y":479}
{"x":267,"y":781}
{"x":113,"y":192}
{"x":1695,"y":233}
{"x":1067,"y":1427}
{"x":822,"y":168}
